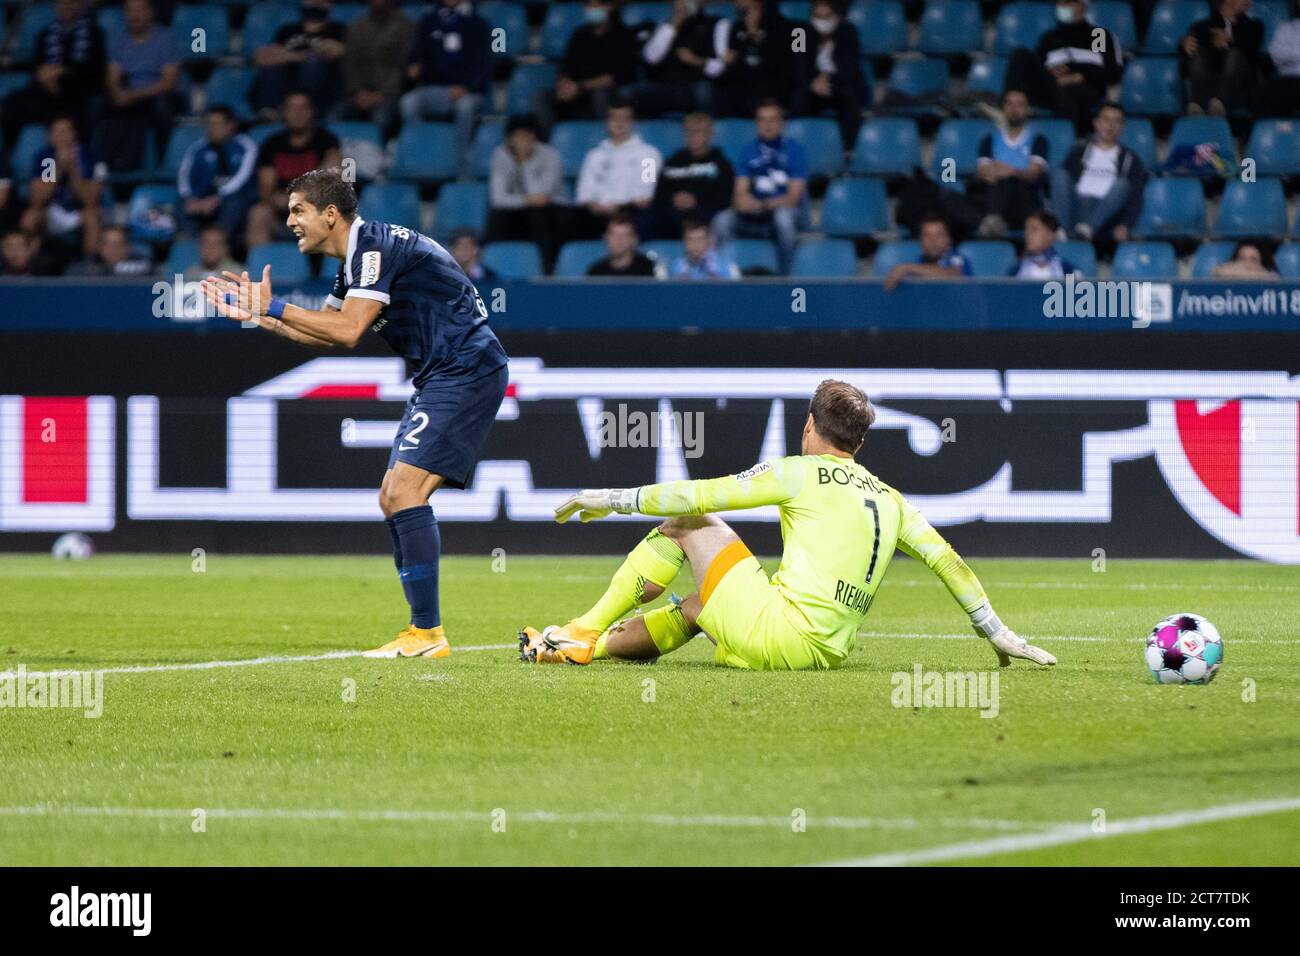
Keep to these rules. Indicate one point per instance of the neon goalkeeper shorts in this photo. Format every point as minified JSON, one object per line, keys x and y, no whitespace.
{"x":751,"y":620}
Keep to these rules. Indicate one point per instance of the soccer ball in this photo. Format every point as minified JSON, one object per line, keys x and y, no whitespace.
{"x":73,"y":546}
{"x":1184,"y":649}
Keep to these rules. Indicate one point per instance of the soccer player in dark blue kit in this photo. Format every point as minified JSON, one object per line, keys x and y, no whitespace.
{"x":408,"y":289}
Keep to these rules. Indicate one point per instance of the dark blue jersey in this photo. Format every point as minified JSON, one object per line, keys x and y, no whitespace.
{"x":433,"y":316}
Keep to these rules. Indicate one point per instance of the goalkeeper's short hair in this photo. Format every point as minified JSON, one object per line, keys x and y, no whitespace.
{"x":841,"y":413}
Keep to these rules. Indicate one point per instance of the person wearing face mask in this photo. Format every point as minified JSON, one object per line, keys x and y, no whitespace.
{"x":1220,"y":59}
{"x":838,"y":82}
{"x":684,"y":56}
{"x":305,"y":56}
{"x":1070,"y":68}
{"x":763,"y":63}
{"x":599,"y":60}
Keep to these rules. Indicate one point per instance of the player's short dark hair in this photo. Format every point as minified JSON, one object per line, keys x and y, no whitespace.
{"x":841,"y":413}
{"x":1046,"y":218}
{"x":327,"y":187}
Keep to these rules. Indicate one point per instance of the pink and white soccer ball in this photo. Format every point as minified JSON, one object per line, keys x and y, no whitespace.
{"x":1184,"y":649}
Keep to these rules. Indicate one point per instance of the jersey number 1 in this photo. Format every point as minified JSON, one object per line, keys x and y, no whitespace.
{"x":875,"y":547}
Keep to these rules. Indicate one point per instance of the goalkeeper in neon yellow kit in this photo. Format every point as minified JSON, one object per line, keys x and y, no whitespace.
{"x":840,"y":524}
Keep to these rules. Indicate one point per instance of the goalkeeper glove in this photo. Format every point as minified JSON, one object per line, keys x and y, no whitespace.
{"x":597,"y":503}
{"x":1005,"y":642}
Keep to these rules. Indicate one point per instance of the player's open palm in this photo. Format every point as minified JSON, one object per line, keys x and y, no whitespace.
{"x":236,"y":296}
{"x":1008,"y":644}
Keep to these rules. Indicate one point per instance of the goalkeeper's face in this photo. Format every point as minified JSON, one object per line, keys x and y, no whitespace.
{"x":312,"y":226}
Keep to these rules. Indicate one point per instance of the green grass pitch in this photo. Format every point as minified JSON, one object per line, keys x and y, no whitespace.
{"x":482,"y":760}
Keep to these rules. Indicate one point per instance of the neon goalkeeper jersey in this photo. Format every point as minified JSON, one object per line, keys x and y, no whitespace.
{"x":840,"y":525}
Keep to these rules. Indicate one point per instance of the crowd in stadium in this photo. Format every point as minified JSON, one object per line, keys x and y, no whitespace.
{"x":678,"y":140}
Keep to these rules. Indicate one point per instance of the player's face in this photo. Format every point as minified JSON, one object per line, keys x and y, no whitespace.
{"x":308,"y":223}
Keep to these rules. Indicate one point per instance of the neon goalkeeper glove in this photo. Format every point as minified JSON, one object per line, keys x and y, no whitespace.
{"x":597,"y":503}
{"x":1006,"y":643}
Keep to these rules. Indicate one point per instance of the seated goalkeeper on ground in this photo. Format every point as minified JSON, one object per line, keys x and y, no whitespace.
{"x":840,"y":525}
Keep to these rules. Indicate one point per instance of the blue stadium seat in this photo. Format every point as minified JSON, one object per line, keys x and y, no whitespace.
{"x":820,"y":139}
{"x":987,"y":74}
{"x":461,"y":205}
{"x":1170,"y":22}
{"x":1117,"y":17}
{"x":264,"y":19}
{"x":577,"y":257}
{"x":796,"y":9}
{"x":664,"y":135}
{"x":825,"y":259}
{"x":1195,"y":130}
{"x":1288,"y":260}
{"x":513,"y":19}
{"x":958,"y":139}
{"x":1082,"y":255}
{"x":13,"y":81}
{"x":112,"y":20}
{"x":260,"y":133}
{"x":919,"y":78}
{"x":1150,"y":87}
{"x":733,"y":135}
{"x":574,"y":139}
{"x":1060,"y":138}
{"x":989,"y":258}
{"x":527,"y":80}
{"x":1021,"y":24}
{"x":1144,"y":260}
{"x":513,"y":260}
{"x":487,"y":138}
{"x":35,"y":18}
{"x":1172,"y":207}
{"x":754,"y":255}
{"x":1252,"y":209}
{"x":893,"y":253}
{"x":1275,"y":146}
{"x":229,"y":86}
{"x":358,"y":130}
{"x":855,"y":207}
{"x":392,"y":202}
{"x":184,"y":253}
{"x":31,"y":140}
{"x":144,"y":199}
{"x":635,"y":13}
{"x":561,"y":20}
{"x":1208,"y":256}
{"x":345,"y":13}
{"x":213,"y":21}
{"x":950,"y":26}
{"x":181,"y":139}
{"x":882,"y":27}
{"x":1272,"y":13}
{"x":286,"y":262}
{"x":664,"y":250}
{"x":1141,"y":138}
{"x":425,"y":151}
{"x":888,"y":146}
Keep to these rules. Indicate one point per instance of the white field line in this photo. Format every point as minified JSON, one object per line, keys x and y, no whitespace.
{"x":1072,"y":833}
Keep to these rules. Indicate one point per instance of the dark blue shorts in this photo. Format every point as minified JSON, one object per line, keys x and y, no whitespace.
{"x":446,"y":424}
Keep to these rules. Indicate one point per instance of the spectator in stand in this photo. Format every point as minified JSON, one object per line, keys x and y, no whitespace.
{"x":377,"y":45}
{"x":685,"y":56}
{"x":1040,"y":260}
{"x":770,"y":198}
{"x":1012,"y":167}
{"x":619,"y":175}
{"x":466,"y":249}
{"x":70,"y":65}
{"x":1220,"y":59}
{"x":1284,"y":49}
{"x":114,"y":257}
{"x":9,"y":206}
{"x":23,"y":256}
{"x":624,"y":260}
{"x":215,"y":181}
{"x":144,"y":65}
{"x":214,"y":256}
{"x":1064,"y":73}
{"x":1249,"y":261}
{"x":762,"y":62}
{"x":696,"y":182}
{"x":306,"y":56}
{"x":938,"y":259}
{"x":66,"y":188}
{"x":1099,"y":186}
{"x":450,"y":65}
{"x":838,"y":83}
{"x":701,"y":258}
{"x":526,"y":189}
{"x":298,"y":148}
{"x":600,"y":58}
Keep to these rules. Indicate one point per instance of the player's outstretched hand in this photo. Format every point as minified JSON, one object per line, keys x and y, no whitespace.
{"x":1007,"y":644}
{"x":236,"y":296}
{"x":588,"y":504}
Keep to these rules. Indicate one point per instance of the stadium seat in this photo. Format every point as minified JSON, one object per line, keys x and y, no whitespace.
{"x":13,"y":81}
{"x":461,"y":205}
{"x":958,"y":139}
{"x":1275,"y":146}
{"x":1194,"y":130}
{"x":286,"y":262}
{"x":392,"y":202}
{"x":855,"y":207}
{"x":1141,"y":138}
{"x":635,"y":13}
{"x":882,"y":27}
{"x":425,"y":151}
{"x":664,"y":135}
{"x":893,"y":253}
{"x":919,"y":78}
{"x":1144,"y":260}
{"x":733,"y":135}
{"x":1150,"y":87}
{"x":1288,"y":260}
{"x":1082,"y":255}
{"x":888,"y":146}
{"x":1252,"y":209}
{"x":987,"y":74}
{"x":513,"y":19}
{"x":22,"y":159}
{"x":35,"y":18}
{"x":825,"y":259}
{"x":1208,"y":256}
{"x":357,"y":130}
{"x":112,"y":20}
{"x":989,"y":258}
{"x":184,"y":253}
{"x":263,"y":20}
{"x":574,"y":139}
{"x":513,"y":260}
{"x":796,"y":9}
{"x":488,"y":136}
{"x":527,"y":80}
{"x":1272,"y":13}
{"x":562,"y":19}
{"x":1060,"y":138}
{"x":754,"y":255}
{"x":181,"y":139}
{"x":151,"y":213}
{"x":664,"y":250}
{"x":820,"y":139}
{"x":950,"y":26}
{"x":229,"y":86}
{"x":212,"y":20}
{"x":345,"y":13}
{"x":260,"y":133}
{"x":577,"y":257}
{"x":1170,"y":22}
{"x":1021,"y":24}
{"x":1172,"y":207}
{"x":1117,"y":17}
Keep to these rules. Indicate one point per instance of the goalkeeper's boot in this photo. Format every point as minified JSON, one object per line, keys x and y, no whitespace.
{"x":569,"y":644}
{"x":415,"y":642}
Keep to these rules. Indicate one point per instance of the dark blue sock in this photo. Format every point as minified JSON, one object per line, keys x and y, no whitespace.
{"x":397,"y":543}
{"x":420,"y":543}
